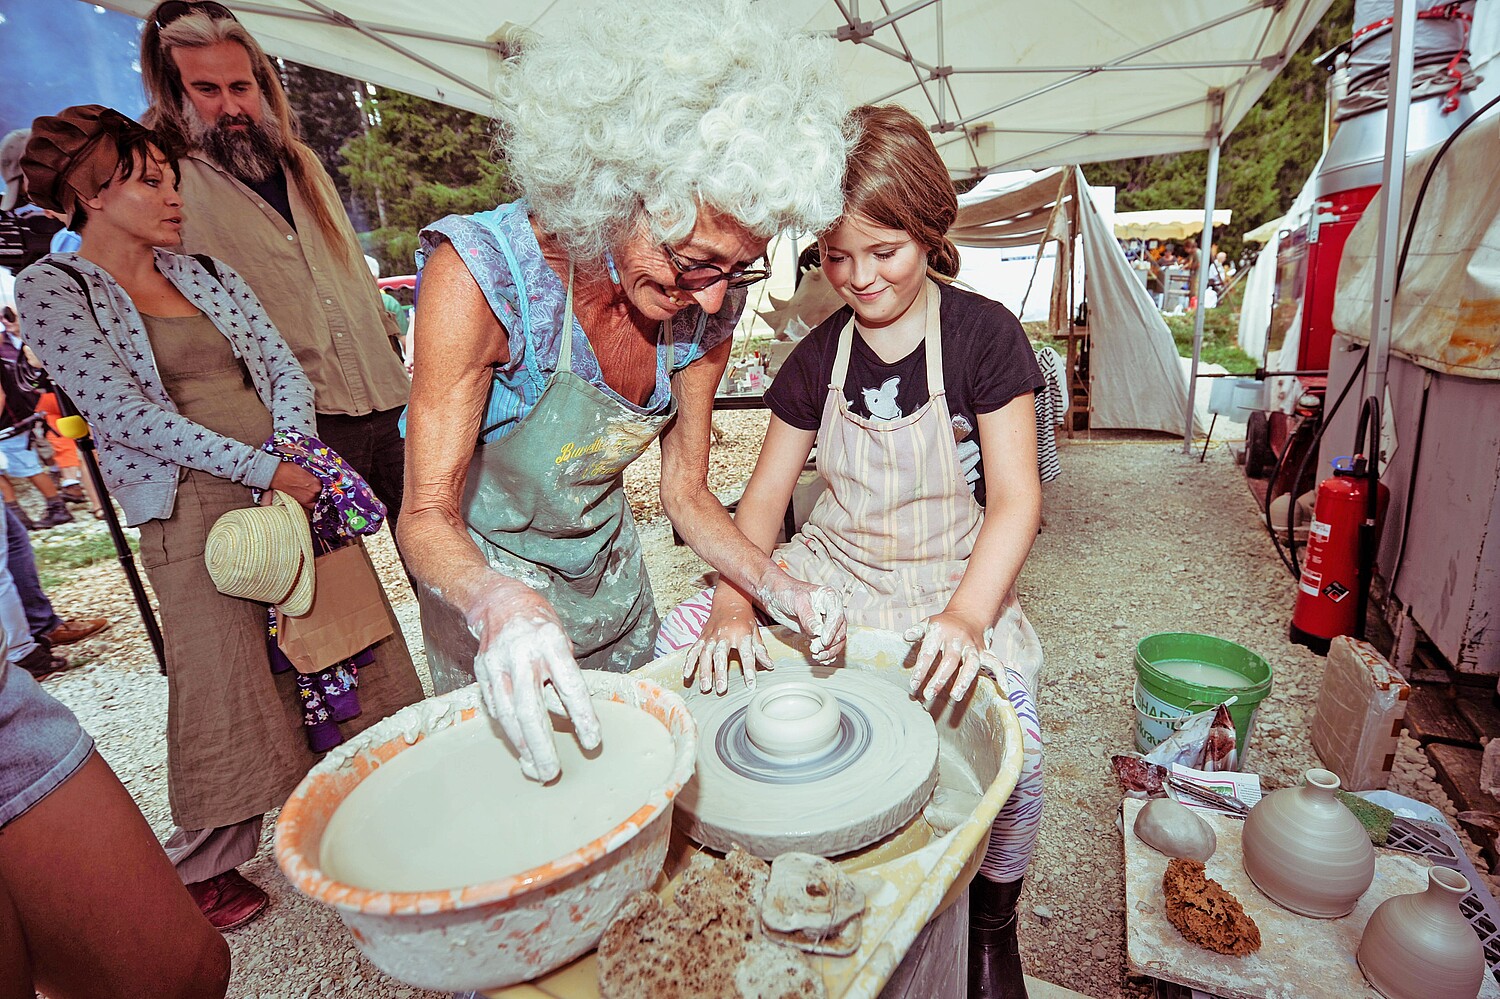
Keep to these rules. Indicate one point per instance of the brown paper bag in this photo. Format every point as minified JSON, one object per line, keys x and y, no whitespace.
{"x":348,"y":613}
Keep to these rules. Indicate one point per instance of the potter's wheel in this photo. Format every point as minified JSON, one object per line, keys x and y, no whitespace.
{"x":824,"y":762}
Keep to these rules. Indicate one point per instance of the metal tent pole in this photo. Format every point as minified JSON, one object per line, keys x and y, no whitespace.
{"x":1205,"y":254}
{"x":1392,"y":177}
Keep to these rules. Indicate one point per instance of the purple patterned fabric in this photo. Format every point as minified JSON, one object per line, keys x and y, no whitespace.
{"x":347,"y":507}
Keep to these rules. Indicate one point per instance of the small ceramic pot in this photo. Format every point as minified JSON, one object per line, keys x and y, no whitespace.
{"x":1306,"y":851}
{"x":792,"y":720}
{"x":1420,"y":946}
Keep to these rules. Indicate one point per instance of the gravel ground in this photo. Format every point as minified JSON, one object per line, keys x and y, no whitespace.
{"x":1138,"y":539}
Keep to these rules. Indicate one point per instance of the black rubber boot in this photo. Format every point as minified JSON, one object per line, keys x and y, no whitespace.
{"x":22,"y":516}
{"x":57,"y":513}
{"x":994,"y":948}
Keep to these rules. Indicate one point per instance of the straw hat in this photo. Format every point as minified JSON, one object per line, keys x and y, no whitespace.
{"x":264,"y":553}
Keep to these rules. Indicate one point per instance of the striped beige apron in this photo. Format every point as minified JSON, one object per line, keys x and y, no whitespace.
{"x":894,"y":530}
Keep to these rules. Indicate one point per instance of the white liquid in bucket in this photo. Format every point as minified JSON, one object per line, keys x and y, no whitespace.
{"x":1202,"y":674}
{"x":455,"y":809}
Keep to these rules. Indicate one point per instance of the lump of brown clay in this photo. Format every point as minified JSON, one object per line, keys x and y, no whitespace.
{"x":1205,"y":913}
{"x":812,"y":905}
{"x":1174,"y":829}
{"x":703,"y":942}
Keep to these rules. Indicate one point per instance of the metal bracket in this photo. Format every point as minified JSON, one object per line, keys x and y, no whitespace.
{"x":1318,"y":220}
{"x":855,"y":32}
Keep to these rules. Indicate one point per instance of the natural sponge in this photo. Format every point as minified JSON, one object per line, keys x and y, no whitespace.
{"x":1205,"y":913}
{"x":706,"y":943}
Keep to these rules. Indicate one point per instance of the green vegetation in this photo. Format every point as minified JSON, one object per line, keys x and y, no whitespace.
{"x":1221,"y":328}
{"x":60,"y":552}
{"x":418,"y":162}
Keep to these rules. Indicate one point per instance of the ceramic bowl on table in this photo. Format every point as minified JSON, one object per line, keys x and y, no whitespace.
{"x":501,"y":931}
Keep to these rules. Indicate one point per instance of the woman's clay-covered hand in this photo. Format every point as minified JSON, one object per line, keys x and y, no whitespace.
{"x":815,"y":611}
{"x":952,"y":649}
{"x":522,"y":646}
{"x":728,"y":629}
{"x":298,"y":483}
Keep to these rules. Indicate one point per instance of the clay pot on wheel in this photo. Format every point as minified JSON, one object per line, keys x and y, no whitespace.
{"x":1306,"y":851}
{"x":1420,"y":946}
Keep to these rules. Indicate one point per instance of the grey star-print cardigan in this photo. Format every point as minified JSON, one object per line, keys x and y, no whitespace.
{"x":95,"y":347}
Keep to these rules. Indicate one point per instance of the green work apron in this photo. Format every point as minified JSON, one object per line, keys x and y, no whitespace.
{"x":546,"y":505}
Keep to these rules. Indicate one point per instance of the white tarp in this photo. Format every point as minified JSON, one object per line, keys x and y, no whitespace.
{"x":1447,"y":311}
{"x":1004,"y":86}
{"x":1136,"y":381}
{"x":1255,"y":307}
{"x":1265,"y":232}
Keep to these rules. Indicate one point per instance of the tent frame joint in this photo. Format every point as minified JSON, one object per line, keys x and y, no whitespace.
{"x":855,"y":31}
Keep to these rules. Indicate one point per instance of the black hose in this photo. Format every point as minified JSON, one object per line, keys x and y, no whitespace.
{"x":1302,"y":470}
{"x":1266,"y":513}
{"x":1369,"y":420}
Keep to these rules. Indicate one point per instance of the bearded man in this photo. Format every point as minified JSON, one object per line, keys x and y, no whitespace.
{"x":256,"y":197}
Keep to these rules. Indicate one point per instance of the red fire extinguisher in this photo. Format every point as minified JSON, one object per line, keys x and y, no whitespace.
{"x":1334,"y":583}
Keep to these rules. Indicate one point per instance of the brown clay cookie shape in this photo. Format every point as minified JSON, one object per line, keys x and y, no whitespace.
{"x":1172,"y":828}
{"x":1205,"y":913}
{"x":812,"y":905}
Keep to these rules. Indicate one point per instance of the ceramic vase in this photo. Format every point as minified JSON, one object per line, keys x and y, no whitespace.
{"x":1420,"y":946}
{"x":1306,"y":851}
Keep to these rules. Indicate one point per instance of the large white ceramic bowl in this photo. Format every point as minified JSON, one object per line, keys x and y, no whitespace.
{"x":498,"y":932}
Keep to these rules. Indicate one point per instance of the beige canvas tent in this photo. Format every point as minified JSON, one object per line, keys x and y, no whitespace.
{"x":1135,"y":379}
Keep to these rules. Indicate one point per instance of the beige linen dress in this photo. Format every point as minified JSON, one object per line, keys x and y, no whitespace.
{"x":235,"y":745}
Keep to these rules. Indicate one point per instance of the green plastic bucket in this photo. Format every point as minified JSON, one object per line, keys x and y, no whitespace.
{"x":1165,"y":697}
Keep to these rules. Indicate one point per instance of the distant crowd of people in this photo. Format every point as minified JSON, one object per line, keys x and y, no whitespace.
{"x":1153,"y":263}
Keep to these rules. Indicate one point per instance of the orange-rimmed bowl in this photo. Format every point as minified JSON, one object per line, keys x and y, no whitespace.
{"x":496,"y":932}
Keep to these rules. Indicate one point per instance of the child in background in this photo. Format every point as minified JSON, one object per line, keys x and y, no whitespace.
{"x":916,"y":383}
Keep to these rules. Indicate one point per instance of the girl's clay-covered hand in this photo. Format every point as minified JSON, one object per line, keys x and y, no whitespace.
{"x":954,"y":647}
{"x":727,"y":629}
{"x":522,"y":646}
{"x":815,"y":611}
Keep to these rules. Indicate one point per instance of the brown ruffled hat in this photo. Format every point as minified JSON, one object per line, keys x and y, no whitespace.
{"x":73,"y":154}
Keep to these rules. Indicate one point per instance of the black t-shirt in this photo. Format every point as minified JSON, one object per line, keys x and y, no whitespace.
{"x":987,"y":362}
{"x":273,"y":189}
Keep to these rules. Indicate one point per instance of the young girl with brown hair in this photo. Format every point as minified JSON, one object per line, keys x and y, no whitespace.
{"x":919,"y":397}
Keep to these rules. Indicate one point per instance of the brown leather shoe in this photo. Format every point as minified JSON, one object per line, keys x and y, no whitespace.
{"x":76,"y":630}
{"x":41,"y":663}
{"x":228,"y":900}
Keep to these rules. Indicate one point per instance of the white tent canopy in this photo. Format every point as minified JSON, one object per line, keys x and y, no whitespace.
{"x":1164,"y":224}
{"x":1265,"y":232}
{"x":1002,"y":85}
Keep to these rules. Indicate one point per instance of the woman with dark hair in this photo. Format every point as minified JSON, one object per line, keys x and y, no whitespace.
{"x":915,"y":383}
{"x":183,"y":379}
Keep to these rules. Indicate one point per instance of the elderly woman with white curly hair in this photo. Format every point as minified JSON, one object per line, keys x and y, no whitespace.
{"x":659,"y":147}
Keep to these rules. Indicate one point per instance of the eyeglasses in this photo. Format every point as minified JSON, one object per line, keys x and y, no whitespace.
{"x":697,"y":276}
{"x":175,"y":9}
